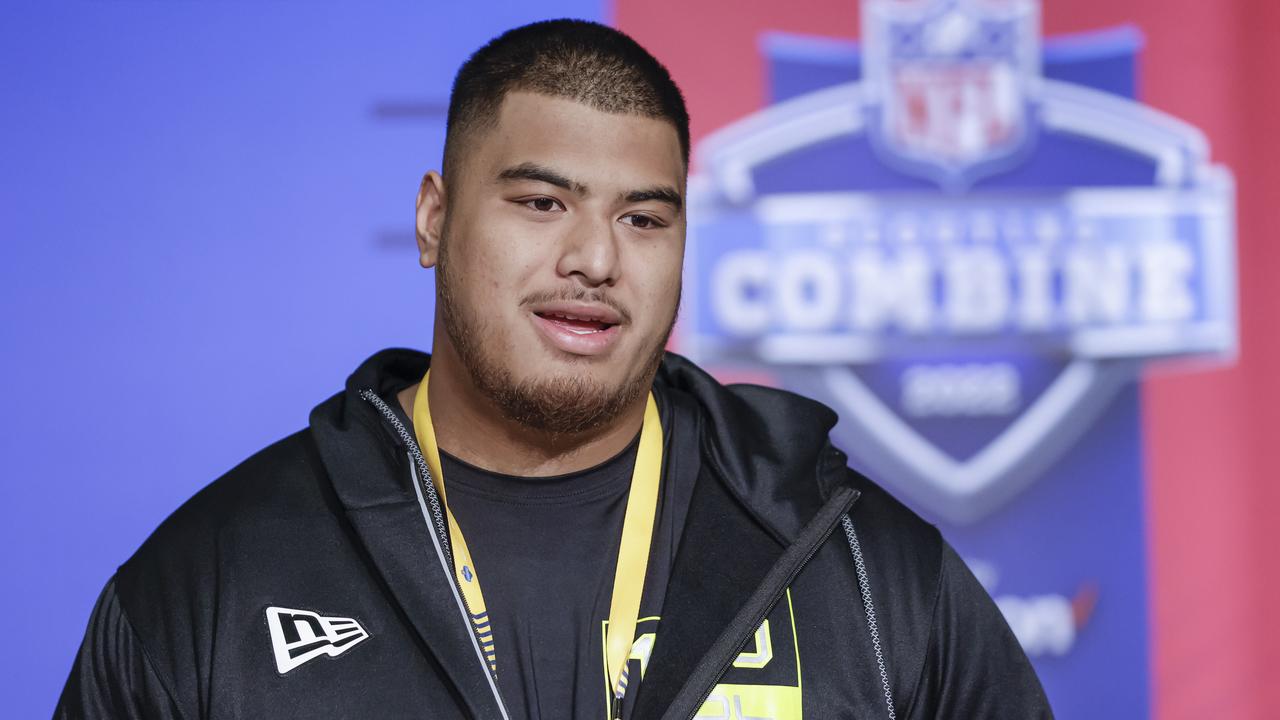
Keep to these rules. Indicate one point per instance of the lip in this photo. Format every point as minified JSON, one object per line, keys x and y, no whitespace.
{"x":587,"y":311}
{"x":566,"y":338}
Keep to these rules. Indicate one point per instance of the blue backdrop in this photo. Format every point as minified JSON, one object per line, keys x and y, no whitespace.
{"x":206,"y":218}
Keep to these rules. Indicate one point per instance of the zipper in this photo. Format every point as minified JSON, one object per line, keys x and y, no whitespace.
{"x":774,"y":586}
{"x":425,"y":490}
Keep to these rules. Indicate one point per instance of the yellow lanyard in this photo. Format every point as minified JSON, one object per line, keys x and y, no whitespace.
{"x":633,"y":554}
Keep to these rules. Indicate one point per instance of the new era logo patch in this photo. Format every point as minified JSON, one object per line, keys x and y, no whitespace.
{"x":298,"y":636}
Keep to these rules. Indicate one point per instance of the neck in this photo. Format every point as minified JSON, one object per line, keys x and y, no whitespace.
{"x":471,"y":428}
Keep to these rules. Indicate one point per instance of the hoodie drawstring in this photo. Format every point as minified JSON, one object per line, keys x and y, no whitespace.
{"x":864,"y":588}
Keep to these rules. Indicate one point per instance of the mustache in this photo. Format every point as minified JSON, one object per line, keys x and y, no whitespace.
{"x":577,"y":295}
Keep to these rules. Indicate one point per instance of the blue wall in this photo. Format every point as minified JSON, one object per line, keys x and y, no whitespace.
{"x":206,"y":222}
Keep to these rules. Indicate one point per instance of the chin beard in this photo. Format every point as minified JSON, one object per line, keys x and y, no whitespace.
{"x":567,"y":405}
{"x":560,"y":406}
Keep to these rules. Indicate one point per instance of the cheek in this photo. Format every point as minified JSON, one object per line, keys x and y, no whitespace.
{"x":662,"y":279}
{"x":657,"y":291}
{"x":496,"y":266}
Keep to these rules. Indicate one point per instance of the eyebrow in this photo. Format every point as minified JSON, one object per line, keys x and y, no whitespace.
{"x":541,"y":173}
{"x":663,"y":194}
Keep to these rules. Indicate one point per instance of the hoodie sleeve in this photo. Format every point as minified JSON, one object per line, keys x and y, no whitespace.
{"x":111,"y":676}
{"x":974,"y":666}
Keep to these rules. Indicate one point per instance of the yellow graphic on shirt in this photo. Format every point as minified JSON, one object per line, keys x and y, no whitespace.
{"x":751,"y":702}
{"x":764,"y":682}
{"x":641,"y":648}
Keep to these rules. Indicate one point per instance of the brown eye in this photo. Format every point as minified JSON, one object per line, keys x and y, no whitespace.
{"x":542,"y":204}
{"x":642,"y":222}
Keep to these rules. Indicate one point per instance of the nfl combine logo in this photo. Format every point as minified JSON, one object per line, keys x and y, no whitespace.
{"x":960,"y":247}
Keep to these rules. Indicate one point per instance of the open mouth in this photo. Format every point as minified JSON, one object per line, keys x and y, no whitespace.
{"x":575,"y":324}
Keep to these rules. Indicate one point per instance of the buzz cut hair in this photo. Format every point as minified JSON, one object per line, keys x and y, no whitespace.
{"x":582,"y":61}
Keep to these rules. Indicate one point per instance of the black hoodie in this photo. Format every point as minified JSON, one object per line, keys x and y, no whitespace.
{"x":872,"y":613}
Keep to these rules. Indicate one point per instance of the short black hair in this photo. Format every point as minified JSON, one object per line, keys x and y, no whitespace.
{"x":576,"y":59}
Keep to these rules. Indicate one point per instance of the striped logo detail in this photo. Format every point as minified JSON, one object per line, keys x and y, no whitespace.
{"x":621,"y":690}
{"x":480,"y":621}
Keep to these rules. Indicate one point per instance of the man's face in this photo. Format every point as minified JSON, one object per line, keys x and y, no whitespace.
{"x":559,"y":259}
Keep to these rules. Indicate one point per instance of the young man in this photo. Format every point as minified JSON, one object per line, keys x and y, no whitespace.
{"x":651,"y":543}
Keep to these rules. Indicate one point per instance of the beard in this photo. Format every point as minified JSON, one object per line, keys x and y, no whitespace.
{"x":568,"y":404}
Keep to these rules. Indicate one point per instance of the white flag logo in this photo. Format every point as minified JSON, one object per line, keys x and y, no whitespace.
{"x":300,"y":635}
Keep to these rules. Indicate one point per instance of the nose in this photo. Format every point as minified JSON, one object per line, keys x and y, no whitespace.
{"x":590,"y":255}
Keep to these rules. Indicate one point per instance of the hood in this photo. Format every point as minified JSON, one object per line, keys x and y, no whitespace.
{"x":769,"y":446}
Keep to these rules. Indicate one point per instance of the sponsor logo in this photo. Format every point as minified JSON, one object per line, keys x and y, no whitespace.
{"x":299,"y":636}
{"x":962,"y":255}
{"x":1046,"y":624}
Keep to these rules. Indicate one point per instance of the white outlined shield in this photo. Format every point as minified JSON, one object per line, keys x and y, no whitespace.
{"x":774,"y":283}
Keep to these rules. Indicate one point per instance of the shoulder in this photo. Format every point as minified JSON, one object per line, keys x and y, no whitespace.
{"x":946,"y":637}
{"x":172,"y":588}
{"x":283,"y":480}
{"x":286,"y":477}
{"x":904,"y":554}
{"x":879,"y":515}
{"x":112,"y":674}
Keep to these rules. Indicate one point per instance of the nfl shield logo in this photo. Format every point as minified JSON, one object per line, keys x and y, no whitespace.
{"x":951,"y":84}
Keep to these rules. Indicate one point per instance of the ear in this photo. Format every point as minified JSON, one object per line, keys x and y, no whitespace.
{"x":430,"y":218}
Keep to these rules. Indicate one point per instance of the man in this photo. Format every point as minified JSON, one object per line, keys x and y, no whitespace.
{"x":651,"y":543}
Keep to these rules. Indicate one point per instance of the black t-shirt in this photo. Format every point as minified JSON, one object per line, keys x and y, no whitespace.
{"x":545,"y":551}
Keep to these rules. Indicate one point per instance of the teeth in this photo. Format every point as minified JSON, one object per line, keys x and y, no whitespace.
{"x":567,"y":316}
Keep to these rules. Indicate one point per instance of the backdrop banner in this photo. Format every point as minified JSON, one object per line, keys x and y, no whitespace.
{"x":969,"y":242}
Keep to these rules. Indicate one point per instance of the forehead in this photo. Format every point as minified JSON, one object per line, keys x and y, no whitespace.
{"x":596,"y":148}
